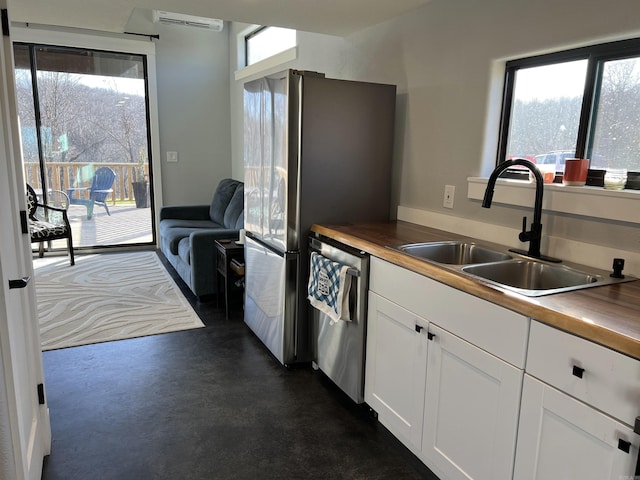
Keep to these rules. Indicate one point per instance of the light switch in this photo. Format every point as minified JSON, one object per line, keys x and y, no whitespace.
{"x":172,"y":157}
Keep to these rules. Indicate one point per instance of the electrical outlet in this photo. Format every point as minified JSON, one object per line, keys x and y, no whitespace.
{"x":172,"y":157}
{"x":449,"y":192}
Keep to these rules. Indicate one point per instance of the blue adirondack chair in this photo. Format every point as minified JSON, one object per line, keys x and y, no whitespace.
{"x":98,"y":191}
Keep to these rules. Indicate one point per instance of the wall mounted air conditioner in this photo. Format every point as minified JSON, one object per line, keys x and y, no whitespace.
{"x":171,"y":18}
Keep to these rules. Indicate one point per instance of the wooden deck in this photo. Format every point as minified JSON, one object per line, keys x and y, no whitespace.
{"x":126,"y":225}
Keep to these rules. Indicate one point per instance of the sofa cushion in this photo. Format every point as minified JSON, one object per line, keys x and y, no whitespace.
{"x":235,"y":208}
{"x":224,"y":192}
{"x":170,"y":223}
{"x":173,"y":237}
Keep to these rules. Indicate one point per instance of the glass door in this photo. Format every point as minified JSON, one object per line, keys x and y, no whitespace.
{"x":85,"y":140}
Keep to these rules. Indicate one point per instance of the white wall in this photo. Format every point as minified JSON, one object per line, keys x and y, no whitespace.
{"x":193,"y":109}
{"x":447,"y":59}
{"x":444,"y":58}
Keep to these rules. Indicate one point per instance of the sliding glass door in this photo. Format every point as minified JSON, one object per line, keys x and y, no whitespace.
{"x":85,"y":140}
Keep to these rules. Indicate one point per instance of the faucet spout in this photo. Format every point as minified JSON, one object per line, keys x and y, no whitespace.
{"x":534,"y":235}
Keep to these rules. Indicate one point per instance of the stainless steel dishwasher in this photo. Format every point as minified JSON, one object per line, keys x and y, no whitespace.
{"x":339,"y":347}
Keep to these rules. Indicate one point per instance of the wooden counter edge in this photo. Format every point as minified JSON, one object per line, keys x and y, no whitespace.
{"x":524,"y":305}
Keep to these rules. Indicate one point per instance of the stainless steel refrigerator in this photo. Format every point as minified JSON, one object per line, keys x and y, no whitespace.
{"x":316,"y":150}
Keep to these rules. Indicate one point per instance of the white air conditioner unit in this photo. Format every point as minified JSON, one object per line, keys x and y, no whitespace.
{"x":187,"y":20}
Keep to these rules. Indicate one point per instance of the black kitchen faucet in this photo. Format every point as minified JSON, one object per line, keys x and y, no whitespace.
{"x":533,"y":236}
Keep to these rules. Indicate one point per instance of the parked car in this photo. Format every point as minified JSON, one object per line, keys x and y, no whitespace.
{"x":556,"y":158}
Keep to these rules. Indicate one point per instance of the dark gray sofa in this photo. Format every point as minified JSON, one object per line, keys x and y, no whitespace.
{"x":188,"y":233}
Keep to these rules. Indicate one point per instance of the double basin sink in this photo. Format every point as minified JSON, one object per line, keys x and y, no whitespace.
{"x":526,"y":276}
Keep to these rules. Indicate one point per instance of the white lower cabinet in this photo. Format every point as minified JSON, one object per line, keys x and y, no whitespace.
{"x":396,"y":369}
{"x":579,"y":404}
{"x":446,"y":373}
{"x":451,"y":403}
{"x":562,"y":438}
{"x":471,"y":410}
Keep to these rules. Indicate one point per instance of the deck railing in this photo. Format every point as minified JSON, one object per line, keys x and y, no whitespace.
{"x":64,"y":175}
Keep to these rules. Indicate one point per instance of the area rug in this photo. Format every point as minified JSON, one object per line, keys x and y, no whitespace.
{"x":108,"y":297}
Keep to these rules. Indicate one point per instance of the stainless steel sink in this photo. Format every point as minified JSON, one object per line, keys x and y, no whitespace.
{"x":529,"y":277}
{"x":535,"y":278}
{"x":452,"y":253}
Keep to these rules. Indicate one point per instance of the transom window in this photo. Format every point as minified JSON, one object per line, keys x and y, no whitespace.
{"x":582,"y":103}
{"x":265,"y":42}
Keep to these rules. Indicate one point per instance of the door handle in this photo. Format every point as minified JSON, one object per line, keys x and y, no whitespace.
{"x":24,"y":224}
{"x":20,"y":283}
{"x":578,"y":371}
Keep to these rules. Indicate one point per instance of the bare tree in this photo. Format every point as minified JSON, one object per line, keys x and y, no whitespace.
{"x":82,"y":123}
{"x":617,"y":137}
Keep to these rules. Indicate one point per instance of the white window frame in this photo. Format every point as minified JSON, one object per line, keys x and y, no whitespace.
{"x":269,"y":64}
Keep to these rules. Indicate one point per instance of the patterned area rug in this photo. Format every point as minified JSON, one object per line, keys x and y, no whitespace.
{"x":108,"y":297}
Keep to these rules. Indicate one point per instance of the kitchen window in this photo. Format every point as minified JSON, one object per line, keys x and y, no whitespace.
{"x":582,"y":103}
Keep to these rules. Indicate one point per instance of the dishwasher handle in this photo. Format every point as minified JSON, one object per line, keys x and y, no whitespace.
{"x":316,"y":241}
{"x":316,"y":246}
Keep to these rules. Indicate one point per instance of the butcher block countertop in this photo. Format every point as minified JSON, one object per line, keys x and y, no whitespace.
{"x":607,"y":315}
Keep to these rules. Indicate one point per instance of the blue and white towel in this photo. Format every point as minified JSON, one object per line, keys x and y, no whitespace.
{"x":329,"y":286}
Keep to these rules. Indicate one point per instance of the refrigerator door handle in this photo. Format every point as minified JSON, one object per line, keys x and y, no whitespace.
{"x":272,"y":249}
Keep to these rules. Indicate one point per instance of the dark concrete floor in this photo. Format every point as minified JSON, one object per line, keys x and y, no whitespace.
{"x":210,"y":403}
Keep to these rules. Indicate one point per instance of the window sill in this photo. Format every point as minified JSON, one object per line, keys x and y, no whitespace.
{"x":594,"y":202}
{"x":267,"y":64}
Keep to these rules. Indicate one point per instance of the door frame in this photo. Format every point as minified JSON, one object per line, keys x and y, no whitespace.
{"x":25,"y":431}
{"x":61,"y":37}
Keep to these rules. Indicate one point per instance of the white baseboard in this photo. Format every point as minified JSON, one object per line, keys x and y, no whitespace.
{"x":596,"y":256}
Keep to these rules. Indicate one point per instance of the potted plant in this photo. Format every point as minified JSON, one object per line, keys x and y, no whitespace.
{"x":140,"y":185}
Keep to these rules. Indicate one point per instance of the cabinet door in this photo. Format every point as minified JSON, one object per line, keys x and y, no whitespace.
{"x":471,"y":410}
{"x":560,"y":437}
{"x":396,"y":368}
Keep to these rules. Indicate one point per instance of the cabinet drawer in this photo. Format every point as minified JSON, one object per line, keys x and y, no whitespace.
{"x":495,"y":329}
{"x":594,"y":374}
